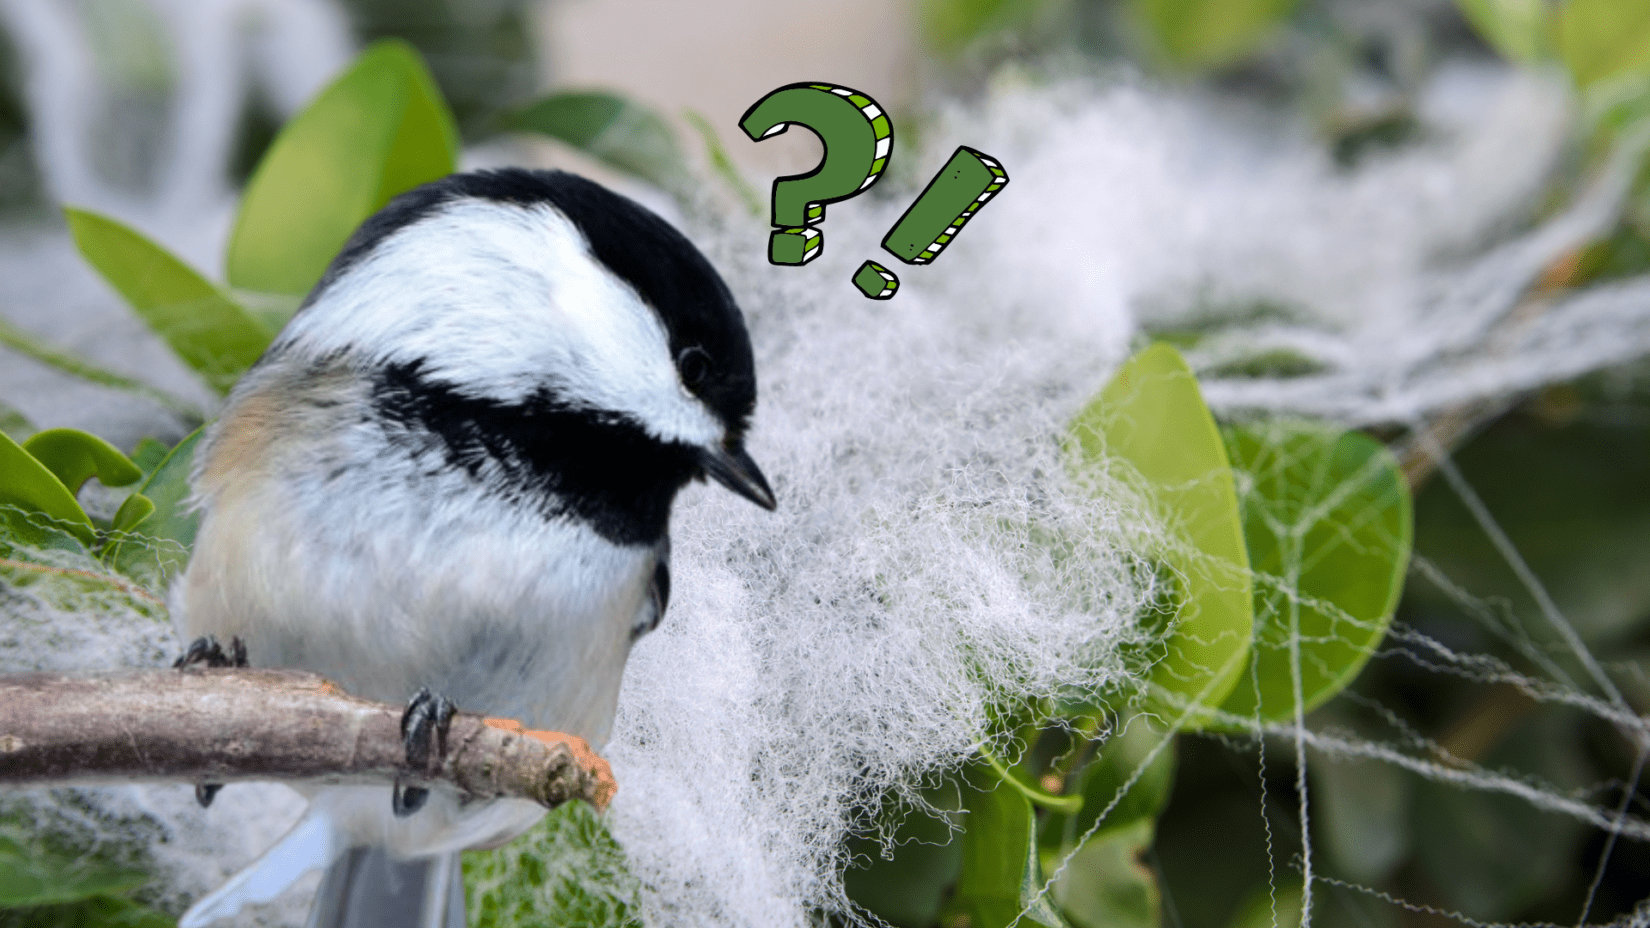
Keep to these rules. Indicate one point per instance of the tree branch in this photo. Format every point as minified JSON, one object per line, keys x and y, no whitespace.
{"x":229,"y":725}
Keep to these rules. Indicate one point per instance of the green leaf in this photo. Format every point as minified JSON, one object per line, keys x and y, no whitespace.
{"x":74,"y":457}
{"x":38,"y":875}
{"x":1599,"y":39}
{"x":723,"y":165}
{"x":380,"y":129}
{"x":33,"y":501}
{"x":1361,"y":809}
{"x":1518,"y":29}
{"x":1104,"y":884}
{"x":1203,"y":34}
{"x":950,"y":26}
{"x":133,"y":510}
{"x":616,"y":131}
{"x":1268,"y":909}
{"x":96,"y":912}
{"x":29,"y":346}
{"x":14,"y":423}
{"x":1150,"y":428}
{"x":1067,"y":805}
{"x":1001,"y":881}
{"x":1328,"y":523}
{"x":148,"y":454}
{"x":905,"y":882}
{"x":426,"y":145}
{"x":1495,"y":855}
{"x":156,"y":547}
{"x":168,"y":488}
{"x":1126,"y":752}
{"x":206,"y":329}
{"x":1583,"y":534}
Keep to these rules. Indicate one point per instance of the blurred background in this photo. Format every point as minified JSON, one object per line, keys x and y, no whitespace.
{"x":156,"y":111}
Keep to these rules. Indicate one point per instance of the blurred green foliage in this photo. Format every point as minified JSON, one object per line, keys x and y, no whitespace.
{"x":14,"y":424}
{"x":1116,"y":811}
{"x":378,"y":130}
{"x":48,"y":879}
{"x":1601,"y":39}
{"x":43,"y":875}
{"x":950,"y":26}
{"x":20,"y":182}
{"x":200,"y":322}
{"x":566,"y":871}
{"x":480,"y":52}
{"x":1202,"y":34}
{"x":1518,"y":29}
{"x":609,"y":128}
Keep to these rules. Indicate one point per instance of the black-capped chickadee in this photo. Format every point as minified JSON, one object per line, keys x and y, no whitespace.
{"x":454,"y":470}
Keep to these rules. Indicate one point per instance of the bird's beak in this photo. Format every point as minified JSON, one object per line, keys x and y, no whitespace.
{"x":734,"y":469}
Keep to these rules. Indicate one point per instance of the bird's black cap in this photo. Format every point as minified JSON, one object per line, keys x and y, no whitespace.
{"x":707,"y":333}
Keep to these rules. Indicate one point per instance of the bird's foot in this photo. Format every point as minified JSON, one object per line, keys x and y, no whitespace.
{"x":206,"y":651}
{"x":423,"y":725}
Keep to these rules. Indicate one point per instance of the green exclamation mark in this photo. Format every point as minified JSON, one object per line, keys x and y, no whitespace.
{"x":950,"y":200}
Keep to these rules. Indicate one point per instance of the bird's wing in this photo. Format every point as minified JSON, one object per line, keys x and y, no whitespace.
{"x":658,"y":594}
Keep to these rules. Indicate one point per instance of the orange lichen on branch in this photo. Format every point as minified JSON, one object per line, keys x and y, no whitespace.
{"x":586,"y":758}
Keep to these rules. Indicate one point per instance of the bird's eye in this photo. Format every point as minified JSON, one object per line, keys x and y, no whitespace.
{"x":694,"y":364}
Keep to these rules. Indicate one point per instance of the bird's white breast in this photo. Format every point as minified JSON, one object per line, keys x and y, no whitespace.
{"x":325,"y":548}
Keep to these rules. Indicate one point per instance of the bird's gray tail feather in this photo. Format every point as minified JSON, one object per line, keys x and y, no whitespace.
{"x":367,"y":888}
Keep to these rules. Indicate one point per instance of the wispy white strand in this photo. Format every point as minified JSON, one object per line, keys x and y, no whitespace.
{"x":1483,"y":668}
{"x":1299,"y":698}
{"x":1638,"y":918}
{"x":1265,"y":820}
{"x":1541,"y":796}
{"x":1630,"y":789}
{"x":1538,"y":590}
{"x":1504,"y":625}
{"x":1446,"y":359}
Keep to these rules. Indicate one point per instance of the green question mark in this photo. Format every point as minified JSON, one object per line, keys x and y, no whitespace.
{"x":858,"y":138}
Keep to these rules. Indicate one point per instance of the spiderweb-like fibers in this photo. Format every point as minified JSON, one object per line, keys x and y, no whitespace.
{"x":1473,"y":338}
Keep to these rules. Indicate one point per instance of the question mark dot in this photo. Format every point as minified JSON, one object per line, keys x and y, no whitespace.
{"x":876,"y":281}
{"x":795,"y":246}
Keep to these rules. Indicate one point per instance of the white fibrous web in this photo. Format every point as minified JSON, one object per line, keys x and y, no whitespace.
{"x":858,"y":639}
{"x":934,"y":566}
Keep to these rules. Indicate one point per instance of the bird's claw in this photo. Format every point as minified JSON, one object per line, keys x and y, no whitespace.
{"x":206,"y":651}
{"x":405,"y":800}
{"x":423,"y":725}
